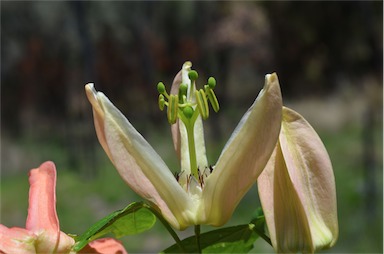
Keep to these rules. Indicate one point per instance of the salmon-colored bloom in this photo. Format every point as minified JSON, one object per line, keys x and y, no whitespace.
{"x":297,"y":190}
{"x":42,"y":232}
{"x":210,"y":195}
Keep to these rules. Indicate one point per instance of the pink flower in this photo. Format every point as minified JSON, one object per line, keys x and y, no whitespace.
{"x":42,"y":231}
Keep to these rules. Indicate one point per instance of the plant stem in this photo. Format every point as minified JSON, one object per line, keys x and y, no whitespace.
{"x":264,"y":236}
{"x":197,"y":234}
{"x":167,"y":226}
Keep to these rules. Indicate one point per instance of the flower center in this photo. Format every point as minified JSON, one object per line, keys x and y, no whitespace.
{"x":186,"y":105}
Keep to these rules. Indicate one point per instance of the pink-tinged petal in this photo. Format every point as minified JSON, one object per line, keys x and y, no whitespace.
{"x":16,"y":240}
{"x":104,"y":246}
{"x":98,"y":117}
{"x":175,"y":128}
{"x":266,"y":184}
{"x":285,"y":215}
{"x":138,"y":163}
{"x":245,"y":154}
{"x":42,"y":217}
{"x":297,"y":190}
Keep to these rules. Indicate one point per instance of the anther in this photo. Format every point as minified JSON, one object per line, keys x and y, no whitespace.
{"x":161,"y":88}
{"x":172,"y":108}
{"x":177,"y":176}
{"x":202,"y":103}
{"x":212,"y":99}
{"x":161,"y":102}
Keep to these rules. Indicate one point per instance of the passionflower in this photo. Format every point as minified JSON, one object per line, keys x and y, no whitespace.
{"x":42,"y":232}
{"x":198,"y":193}
{"x":297,"y":190}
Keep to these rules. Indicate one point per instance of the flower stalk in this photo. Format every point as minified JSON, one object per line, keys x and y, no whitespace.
{"x":166,"y":225}
{"x":197,"y":235}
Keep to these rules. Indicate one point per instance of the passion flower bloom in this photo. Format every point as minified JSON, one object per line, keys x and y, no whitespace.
{"x":297,"y":190}
{"x":42,"y":232}
{"x":198,"y":193}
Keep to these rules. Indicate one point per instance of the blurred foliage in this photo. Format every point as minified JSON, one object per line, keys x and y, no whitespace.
{"x":328,"y":56}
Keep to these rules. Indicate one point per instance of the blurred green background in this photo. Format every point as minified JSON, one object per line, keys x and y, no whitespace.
{"x":328,"y":56}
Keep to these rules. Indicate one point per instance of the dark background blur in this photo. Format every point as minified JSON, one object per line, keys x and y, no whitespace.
{"x":328,"y":56}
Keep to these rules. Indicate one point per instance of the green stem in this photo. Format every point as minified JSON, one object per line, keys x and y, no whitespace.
{"x":167,"y":226}
{"x":197,"y":234}
{"x":192,"y":149}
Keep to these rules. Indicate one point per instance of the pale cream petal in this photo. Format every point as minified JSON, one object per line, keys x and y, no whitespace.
{"x":310,"y":170}
{"x":98,"y":117}
{"x":285,"y":215}
{"x":140,"y":166}
{"x":266,"y":184}
{"x":245,"y":154}
{"x":301,"y":172}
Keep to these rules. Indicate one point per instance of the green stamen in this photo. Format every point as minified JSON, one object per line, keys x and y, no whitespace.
{"x":188,"y":108}
{"x":172,"y":108}
{"x":183,"y":89}
{"x":193,"y":75}
{"x":202,"y":103}
{"x":161,"y":102}
{"x":161,"y":88}
{"x":212,"y":99}
{"x":212,"y":82}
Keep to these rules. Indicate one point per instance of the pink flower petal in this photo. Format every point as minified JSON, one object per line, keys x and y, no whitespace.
{"x":16,"y":240}
{"x":104,"y":246}
{"x":42,"y":217}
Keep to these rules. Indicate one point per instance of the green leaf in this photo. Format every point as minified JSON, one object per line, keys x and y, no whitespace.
{"x":134,"y":219}
{"x":236,"y":239}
